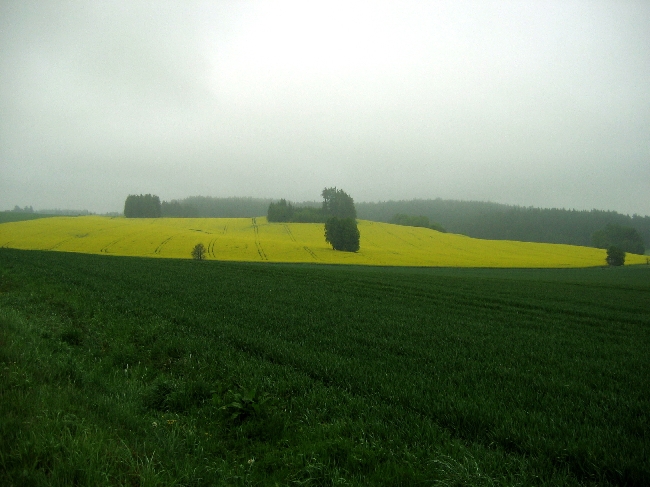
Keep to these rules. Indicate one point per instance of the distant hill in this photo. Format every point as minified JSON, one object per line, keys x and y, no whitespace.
{"x":255,"y":240}
{"x":18,"y":216}
{"x":477,"y":219}
{"x":505,"y":222}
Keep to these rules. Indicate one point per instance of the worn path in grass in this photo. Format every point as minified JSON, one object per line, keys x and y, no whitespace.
{"x":254,"y":239}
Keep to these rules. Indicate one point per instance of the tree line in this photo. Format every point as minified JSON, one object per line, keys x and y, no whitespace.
{"x":142,"y":206}
{"x":416,"y":221}
{"x":197,"y":207}
{"x":212,"y":207}
{"x":336,"y":203}
{"x":505,"y":222}
{"x":472,"y":218}
{"x":626,"y":239}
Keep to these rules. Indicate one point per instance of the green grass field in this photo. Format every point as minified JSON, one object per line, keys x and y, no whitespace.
{"x":135,"y":371}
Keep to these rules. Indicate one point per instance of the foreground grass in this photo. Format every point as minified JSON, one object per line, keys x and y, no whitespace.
{"x":253,"y":239}
{"x":123,"y":371}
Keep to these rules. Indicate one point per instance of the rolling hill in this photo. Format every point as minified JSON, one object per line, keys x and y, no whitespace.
{"x":254,"y":239}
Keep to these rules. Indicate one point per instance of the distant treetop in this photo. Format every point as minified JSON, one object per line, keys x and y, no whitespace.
{"x":142,"y":206}
{"x":336,"y":203}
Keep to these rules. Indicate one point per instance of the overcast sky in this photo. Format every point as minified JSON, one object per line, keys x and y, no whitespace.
{"x":534,"y":103}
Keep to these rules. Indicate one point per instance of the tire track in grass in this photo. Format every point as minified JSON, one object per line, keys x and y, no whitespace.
{"x":260,"y":250}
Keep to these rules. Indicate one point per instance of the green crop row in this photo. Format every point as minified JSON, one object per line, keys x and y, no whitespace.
{"x":127,"y":371}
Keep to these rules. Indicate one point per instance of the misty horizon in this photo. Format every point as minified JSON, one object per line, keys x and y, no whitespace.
{"x":312,"y":202}
{"x":533,"y":105}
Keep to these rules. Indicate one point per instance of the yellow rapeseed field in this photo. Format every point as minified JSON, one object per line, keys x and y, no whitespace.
{"x":254,"y":239}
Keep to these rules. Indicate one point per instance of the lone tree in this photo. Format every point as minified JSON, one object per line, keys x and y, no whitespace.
{"x":615,"y":256}
{"x":342,"y":234}
{"x":198,"y":252}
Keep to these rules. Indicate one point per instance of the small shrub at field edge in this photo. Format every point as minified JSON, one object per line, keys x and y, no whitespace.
{"x":198,"y":252}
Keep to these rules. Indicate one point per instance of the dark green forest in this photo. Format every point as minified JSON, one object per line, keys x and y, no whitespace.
{"x":142,"y":206}
{"x":416,"y":221}
{"x":627,"y":239}
{"x":505,"y":222}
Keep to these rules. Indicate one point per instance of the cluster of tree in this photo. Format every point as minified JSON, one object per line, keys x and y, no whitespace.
{"x":64,"y":212}
{"x":416,"y":221}
{"x":504,"y":222}
{"x":336,"y":203}
{"x":142,"y":206}
{"x":177,"y":209}
{"x":627,"y":239}
{"x":26,"y":209}
{"x":337,"y":212}
{"x":284,"y":211}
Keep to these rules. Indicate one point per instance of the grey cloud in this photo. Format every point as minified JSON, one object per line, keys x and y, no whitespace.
{"x":532,"y":104}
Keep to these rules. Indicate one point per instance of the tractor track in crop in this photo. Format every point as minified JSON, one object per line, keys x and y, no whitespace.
{"x":401,"y":238}
{"x":162,"y":244}
{"x":58,"y":244}
{"x":211,"y":248}
{"x":311,"y":252}
{"x":104,"y":250}
{"x":288,"y":230}
{"x":258,"y":245}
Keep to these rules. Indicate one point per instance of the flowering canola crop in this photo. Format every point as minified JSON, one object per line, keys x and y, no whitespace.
{"x":254,"y":239}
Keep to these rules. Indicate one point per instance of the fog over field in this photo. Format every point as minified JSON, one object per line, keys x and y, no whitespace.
{"x":530,"y":103}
